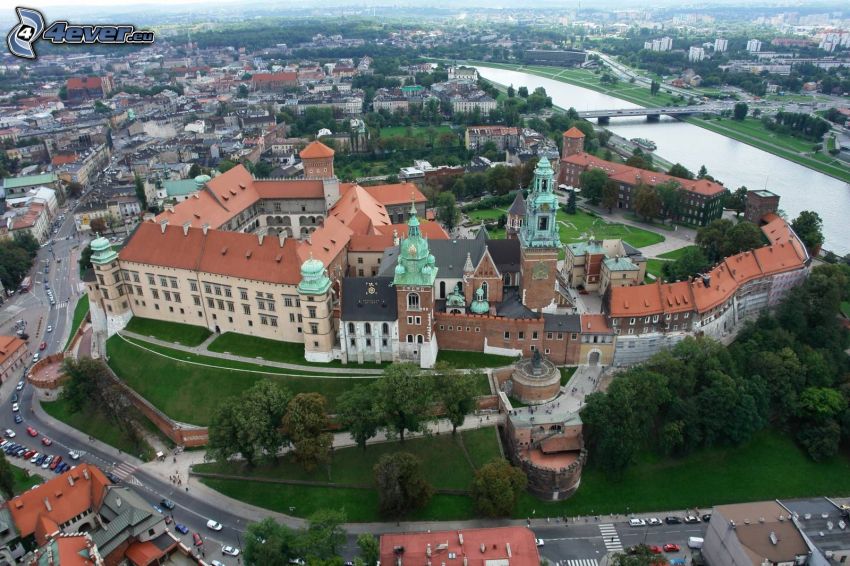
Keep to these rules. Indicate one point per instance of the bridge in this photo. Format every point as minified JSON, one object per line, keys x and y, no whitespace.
{"x":652,"y":114}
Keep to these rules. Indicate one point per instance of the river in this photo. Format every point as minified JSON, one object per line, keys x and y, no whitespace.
{"x":732,"y":162}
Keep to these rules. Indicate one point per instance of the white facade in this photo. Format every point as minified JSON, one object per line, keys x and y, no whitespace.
{"x":754,"y":46}
{"x":721,"y":45}
{"x":696,"y":54}
{"x":375,"y":341}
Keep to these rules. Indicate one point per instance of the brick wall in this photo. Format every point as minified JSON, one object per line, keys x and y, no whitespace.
{"x":491,"y":328}
{"x":539,"y":291}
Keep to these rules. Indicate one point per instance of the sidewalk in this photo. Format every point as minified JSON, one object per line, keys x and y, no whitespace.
{"x":673,"y":240}
{"x":202,"y":351}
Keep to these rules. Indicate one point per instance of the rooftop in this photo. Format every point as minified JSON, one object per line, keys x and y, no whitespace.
{"x":502,"y":546}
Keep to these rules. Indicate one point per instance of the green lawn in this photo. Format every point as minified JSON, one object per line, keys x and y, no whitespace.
{"x":770,"y":467}
{"x":415,"y":131}
{"x":486,"y":214}
{"x":675,"y":254}
{"x":580,"y":226}
{"x":566,"y":374}
{"x":461,"y":359}
{"x":189,"y":392}
{"x":185,"y":334}
{"x":96,"y":425}
{"x":451,"y":470}
{"x":845,"y":308}
{"x":24,"y":480}
{"x":272,"y":350}
{"x":80,"y":312}
{"x":653,"y":266}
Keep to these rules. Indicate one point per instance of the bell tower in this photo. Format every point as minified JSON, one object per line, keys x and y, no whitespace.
{"x":540,"y":240}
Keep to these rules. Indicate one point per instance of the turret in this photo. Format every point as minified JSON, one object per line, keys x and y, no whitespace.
{"x":316,"y":311}
{"x":107,"y":291}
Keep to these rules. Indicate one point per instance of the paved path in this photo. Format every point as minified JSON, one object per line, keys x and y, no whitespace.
{"x":673,"y":240}
{"x":202,"y":351}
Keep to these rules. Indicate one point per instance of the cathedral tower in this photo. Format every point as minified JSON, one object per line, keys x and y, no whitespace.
{"x":540,"y":240}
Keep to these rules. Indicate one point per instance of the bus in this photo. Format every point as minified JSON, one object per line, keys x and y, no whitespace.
{"x":26,"y":284}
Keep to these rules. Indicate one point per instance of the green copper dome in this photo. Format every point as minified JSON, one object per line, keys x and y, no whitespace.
{"x":201,"y":180}
{"x":102,"y":252}
{"x":479,"y":305}
{"x":456,"y":298}
{"x":540,"y":229}
{"x":314,"y":278}
{"x":416,"y":265}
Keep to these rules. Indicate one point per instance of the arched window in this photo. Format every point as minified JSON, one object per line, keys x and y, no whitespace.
{"x":486,"y":289}
{"x":413,"y":300}
{"x":351,"y":328}
{"x":368,"y":328}
{"x":385,"y":329}
{"x":507,"y":278}
{"x":410,"y":338}
{"x":442,"y":289}
{"x":419,"y":338}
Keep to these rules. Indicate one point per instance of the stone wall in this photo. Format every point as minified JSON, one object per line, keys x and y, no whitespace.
{"x":545,"y":483}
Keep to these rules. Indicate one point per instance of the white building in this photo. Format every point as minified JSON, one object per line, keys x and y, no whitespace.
{"x":754,"y":46}
{"x":696,"y":54}
{"x":663,"y":44}
{"x":721,"y":45}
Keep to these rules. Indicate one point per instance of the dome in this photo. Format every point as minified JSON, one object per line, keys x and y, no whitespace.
{"x":399,"y":269}
{"x":312,"y":268}
{"x":431,"y":259}
{"x":200,"y":180}
{"x":99,"y":244}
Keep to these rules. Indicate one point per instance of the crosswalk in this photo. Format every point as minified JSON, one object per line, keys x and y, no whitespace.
{"x":61,"y":305}
{"x":610,"y":537}
{"x":123,"y":470}
{"x":581,"y":562}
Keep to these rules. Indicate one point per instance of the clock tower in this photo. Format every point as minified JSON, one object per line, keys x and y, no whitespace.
{"x":540,"y":240}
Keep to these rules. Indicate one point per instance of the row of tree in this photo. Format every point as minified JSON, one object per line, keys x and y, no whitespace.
{"x":16,"y":259}
{"x":797,"y":124}
{"x":787,"y":370}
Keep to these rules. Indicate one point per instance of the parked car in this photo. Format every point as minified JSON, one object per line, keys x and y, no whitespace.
{"x":167,"y":503}
{"x":112,"y":477}
{"x":31,"y":431}
{"x":181,"y":528}
{"x":706,"y":517}
{"x":637,"y":522}
{"x":46,"y":462}
{"x":14,"y":398}
{"x":29,"y":454}
{"x":15,"y":407}
{"x":18,"y":418}
{"x":197,"y":540}
{"x":55,"y":463}
{"x":9,"y":433}
{"x":672,"y":520}
{"x":21,"y":451}
{"x":655,"y":549}
{"x":691,"y":520}
{"x":654,"y":521}
{"x":695,"y":542}
{"x":74,"y":455}
{"x":670,"y":547}
{"x":20,"y":385}
{"x":46,"y":441}
{"x":42,"y":346}
{"x":49,"y":328}
{"x":232,"y":550}
{"x":35,"y":357}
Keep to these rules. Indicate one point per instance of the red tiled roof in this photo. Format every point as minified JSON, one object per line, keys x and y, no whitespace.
{"x":9,"y":346}
{"x":65,"y":501}
{"x":430,"y":230}
{"x":315,"y":150}
{"x":285,"y":77}
{"x":496,"y":543}
{"x":63,"y":159}
{"x":573,"y":133}
{"x":76,"y":83}
{"x":294,"y":188}
{"x":144,"y":553}
{"x":595,"y":324}
{"x":396,"y":193}
{"x":224,"y":253}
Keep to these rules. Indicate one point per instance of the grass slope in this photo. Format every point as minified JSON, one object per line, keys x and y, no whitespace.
{"x":185,"y":334}
{"x":80,"y":312}
{"x":190,"y":393}
{"x":462,"y":359}
{"x":271,"y":350}
{"x":578,"y":227}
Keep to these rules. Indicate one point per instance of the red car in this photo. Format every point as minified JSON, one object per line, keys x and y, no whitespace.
{"x":42,"y":346}
{"x":670,"y":547}
{"x":31,"y":431}
{"x":29,"y":454}
{"x":655,"y":549}
{"x":197,"y":539}
{"x":46,"y":441}
{"x":56,"y":461}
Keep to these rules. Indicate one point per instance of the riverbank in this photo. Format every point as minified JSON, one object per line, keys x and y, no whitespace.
{"x":823,"y":163}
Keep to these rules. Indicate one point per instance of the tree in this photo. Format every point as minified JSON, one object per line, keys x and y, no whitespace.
{"x":97,"y":225}
{"x":194,"y":170}
{"x":447,"y":210}
{"x":496,"y":488}
{"x":356,"y":412}
{"x":740,"y":111}
{"x":75,"y":189}
{"x":647,"y":202}
{"x":671,"y":199}
{"x":592,"y":183}
{"x":511,"y":91}
{"x":679,"y":170}
{"x":305,"y":424}
{"x":690,"y":263}
{"x":742,"y":237}
{"x":570,"y":207}
{"x":324,"y":536}
{"x":249,"y":424}
{"x":370,"y":548}
{"x":140,"y":192}
{"x":455,"y":391}
{"x":703,"y":172}
{"x":809,"y":227}
{"x":226,"y":165}
{"x":523,"y":91}
{"x":639,"y":555}
{"x":269,"y":543}
{"x":85,"y":377}
{"x":610,"y":194}
{"x":242,"y":91}
{"x":654,"y":87}
{"x":7,"y":478}
{"x":401,"y":486}
{"x":737,"y":201}
{"x":403,"y":399}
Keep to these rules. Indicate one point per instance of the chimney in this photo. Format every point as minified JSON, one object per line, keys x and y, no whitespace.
{"x":85,"y":473}
{"x":508,"y":549}
{"x":162,"y":225}
{"x":205,"y":228}
{"x":186,"y":228}
{"x":260,"y":238}
{"x":148,"y":217}
{"x":47,"y":505}
{"x":281,"y":238}
{"x":168,"y":207}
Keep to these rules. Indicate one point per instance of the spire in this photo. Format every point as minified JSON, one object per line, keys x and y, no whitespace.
{"x":413,"y":222}
{"x":467,"y":267}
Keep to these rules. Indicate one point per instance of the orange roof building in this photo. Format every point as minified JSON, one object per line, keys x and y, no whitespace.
{"x":514,"y":546}
{"x":13,"y":354}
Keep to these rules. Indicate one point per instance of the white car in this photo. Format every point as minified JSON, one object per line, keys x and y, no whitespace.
{"x":230,"y":550}
{"x":35,"y":357}
{"x":74,"y":455}
{"x":637,"y":522}
{"x":15,"y":407}
{"x":539,"y":541}
{"x":214,"y":525}
{"x":654,"y":521}
{"x":9,"y":433}
{"x":20,"y":385}
{"x":49,"y":329}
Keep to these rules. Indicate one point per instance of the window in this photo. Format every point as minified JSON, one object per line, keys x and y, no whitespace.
{"x":167,"y":296}
{"x":210,"y":302}
{"x":367,"y":328}
{"x":384,"y":342}
{"x":548,"y":336}
{"x":273,"y":320}
{"x":287,"y":301}
{"x":534,"y":335}
{"x":646,"y":320}
{"x":360,"y":260}
{"x":410,"y":338}
{"x":520,"y":335}
{"x":264,"y":320}
{"x":246,"y":309}
{"x":410,"y":320}
{"x":351,"y":328}
{"x":229,"y":306}
{"x":154,"y":292}
{"x":419,"y":338}
{"x":573,"y":336}
{"x":385,"y":329}
{"x":173,"y":283}
{"x":150,"y":279}
{"x":546,"y":351}
{"x":197,"y":300}
{"x":193,"y":286}
{"x":220,"y":304}
{"x":243,"y":294}
{"x":507,"y":335}
{"x":413,"y":301}
{"x":631,"y":321}
{"x":655,"y":318}
{"x":359,"y":273}
{"x":418,"y":320}
{"x":311,"y":312}
{"x":139,"y":290}
{"x":368,"y":342}
{"x":543,"y":223}
{"x":227,"y":292}
{"x":207,"y":288}
{"x":291,"y":317}
{"x":353,"y":342}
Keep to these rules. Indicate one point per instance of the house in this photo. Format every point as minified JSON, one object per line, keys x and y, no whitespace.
{"x":13,"y":357}
{"x":498,"y":546}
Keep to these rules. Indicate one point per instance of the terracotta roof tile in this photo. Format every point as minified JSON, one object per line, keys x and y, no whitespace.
{"x":76,"y":83}
{"x":595,"y":324}
{"x":282,"y":77}
{"x":573,"y":133}
{"x":315,"y":150}
{"x":397,"y":193}
{"x":295,"y":188}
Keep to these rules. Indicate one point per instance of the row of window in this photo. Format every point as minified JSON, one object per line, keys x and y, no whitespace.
{"x":367,"y":328}
{"x":653,"y":318}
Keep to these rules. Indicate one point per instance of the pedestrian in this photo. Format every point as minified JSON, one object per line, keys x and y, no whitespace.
{"x":187,"y":489}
